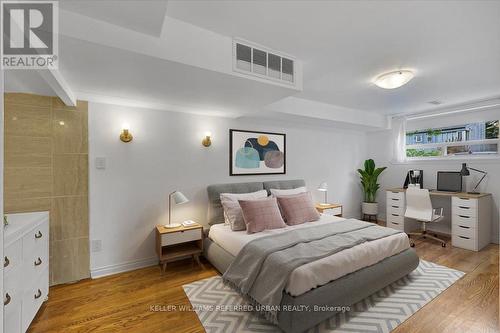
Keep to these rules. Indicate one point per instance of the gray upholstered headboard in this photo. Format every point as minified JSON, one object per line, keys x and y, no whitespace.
{"x":215,"y":211}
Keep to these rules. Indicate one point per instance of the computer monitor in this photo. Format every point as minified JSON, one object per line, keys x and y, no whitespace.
{"x":449,"y":181}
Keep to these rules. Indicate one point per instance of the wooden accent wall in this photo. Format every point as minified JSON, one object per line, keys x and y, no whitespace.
{"x":46,"y":168}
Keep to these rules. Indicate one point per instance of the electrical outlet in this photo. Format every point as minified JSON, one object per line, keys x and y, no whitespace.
{"x":100,"y":163}
{"x":96,"y":245}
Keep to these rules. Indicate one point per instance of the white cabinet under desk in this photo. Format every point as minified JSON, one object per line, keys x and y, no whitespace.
{"x":26,"y":268}
{"x":470,"y":216}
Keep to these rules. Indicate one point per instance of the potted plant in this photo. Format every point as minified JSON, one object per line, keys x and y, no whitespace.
{"x":369,"y":177}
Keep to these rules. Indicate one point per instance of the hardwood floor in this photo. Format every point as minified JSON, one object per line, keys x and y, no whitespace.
{"x":144,"y":300}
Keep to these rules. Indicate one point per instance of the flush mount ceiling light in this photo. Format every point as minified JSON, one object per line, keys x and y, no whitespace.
{"x":393,"y":80}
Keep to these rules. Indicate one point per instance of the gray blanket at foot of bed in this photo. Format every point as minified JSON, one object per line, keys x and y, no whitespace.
{"x":263,"y":266}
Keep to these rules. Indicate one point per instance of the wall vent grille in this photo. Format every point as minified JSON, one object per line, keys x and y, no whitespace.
{"x":258,"y":61}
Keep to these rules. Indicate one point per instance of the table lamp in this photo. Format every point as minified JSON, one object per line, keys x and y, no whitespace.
{"x":323,"y":187}
{"x":178,"y":199}
{"x":466,"y":172}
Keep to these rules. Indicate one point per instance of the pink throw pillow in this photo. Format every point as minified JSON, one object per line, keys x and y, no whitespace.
{"x":260,"y":215}
{"x":298,"y":208}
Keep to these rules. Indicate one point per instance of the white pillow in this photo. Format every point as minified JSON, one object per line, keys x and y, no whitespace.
{"x":232,"y":210}
{"x":277,"y":193}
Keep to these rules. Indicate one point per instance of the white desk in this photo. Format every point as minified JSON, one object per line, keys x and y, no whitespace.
{"x":470,"y":216}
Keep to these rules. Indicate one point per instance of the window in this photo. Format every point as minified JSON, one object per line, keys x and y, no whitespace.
{"x":474,"y":139}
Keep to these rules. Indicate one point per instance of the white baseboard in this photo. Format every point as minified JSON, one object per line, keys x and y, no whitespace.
{"x":122,"y":267}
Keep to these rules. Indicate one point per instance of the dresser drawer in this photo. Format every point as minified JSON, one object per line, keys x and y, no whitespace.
{"x":13,"y":294}
{"x":396,"y":209}
{"x":36,"y":241}
{"x":12,"y":314}
{"x":464,"y":202}
{"x":396,"y":225}
{"x":396,"y":218}
{"x":180,"y":237}
{"x":36,"y":264}
{"x":33,"y":298}
{"x":465,"y":231}
{"x":464,"y":220}
{"x":13,"y":256}
{"x":333,"y":211}
{"x":470,"y":212}
{"x":464,"y":242}
{"x":393,"y":196}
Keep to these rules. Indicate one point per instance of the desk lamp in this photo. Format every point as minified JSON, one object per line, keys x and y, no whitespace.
{"x":466,"y":172}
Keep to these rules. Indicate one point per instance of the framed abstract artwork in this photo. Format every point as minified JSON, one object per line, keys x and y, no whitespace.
{"x":256,"y":153}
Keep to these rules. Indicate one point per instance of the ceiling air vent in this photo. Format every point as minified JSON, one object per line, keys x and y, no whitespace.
{"x":258,"y":61}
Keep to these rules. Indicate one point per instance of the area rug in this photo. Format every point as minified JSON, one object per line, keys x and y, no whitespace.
{"x":221,"y":309}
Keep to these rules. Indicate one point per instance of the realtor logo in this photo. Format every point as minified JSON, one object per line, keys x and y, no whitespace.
{"x":29,"y":34}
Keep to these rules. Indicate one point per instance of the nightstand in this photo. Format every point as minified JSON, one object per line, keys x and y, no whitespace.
{"x":174,"y":243}
{"x":330,"y":209}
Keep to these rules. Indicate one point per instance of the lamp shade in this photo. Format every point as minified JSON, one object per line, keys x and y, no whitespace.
{"x":323,"y":187}
{"x":465,"y":171}
{"x":179,"y":198}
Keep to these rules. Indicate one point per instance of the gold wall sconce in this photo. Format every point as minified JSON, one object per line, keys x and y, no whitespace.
{"x":125,"y":136}
{"x":207,"y":141}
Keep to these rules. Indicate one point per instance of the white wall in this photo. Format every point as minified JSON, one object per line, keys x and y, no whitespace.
{"x":129,"y":197}
{"x":379,"y":146}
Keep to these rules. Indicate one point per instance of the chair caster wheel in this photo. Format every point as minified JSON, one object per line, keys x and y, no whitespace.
{"x":443,"y":245}
{"x":435,"y":235}
{"x":412,"y":244}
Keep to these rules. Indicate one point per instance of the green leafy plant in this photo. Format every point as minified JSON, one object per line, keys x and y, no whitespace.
{"x":369,"y":177}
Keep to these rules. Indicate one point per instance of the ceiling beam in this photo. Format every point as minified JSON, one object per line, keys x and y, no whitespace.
{"x":57,"y":82}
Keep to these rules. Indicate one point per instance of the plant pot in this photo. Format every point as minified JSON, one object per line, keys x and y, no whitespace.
{"x":369,"y":208}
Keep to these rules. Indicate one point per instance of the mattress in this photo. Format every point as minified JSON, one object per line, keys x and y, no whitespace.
{"x":322,"y":271}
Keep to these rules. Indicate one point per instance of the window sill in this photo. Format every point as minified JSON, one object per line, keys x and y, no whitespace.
{"x":453,"y":159}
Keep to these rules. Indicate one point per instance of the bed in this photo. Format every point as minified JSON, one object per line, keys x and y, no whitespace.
{"x":326,"y":284}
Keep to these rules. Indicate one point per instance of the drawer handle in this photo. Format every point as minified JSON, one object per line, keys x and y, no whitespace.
{"x":465,"y":217}
{"x":464,"y":237}
{"x":463,"y":207}
{"x":463,"y":226}
{"x":464,"y":198}
{"x":6,"y":262}
{"x":38,"y":234}
{"x":7,"y":299}
{"x":395,"y":199}
{"x":395,"y":215}
{"x":395,"y":206}
{"x":38,"y":294}
{"x":395,"y":223}
{"x":38,"y":262}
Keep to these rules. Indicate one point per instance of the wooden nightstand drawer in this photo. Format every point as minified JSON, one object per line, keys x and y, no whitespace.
{"x":182,"y":236}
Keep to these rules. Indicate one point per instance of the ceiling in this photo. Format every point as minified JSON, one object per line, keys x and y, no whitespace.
{"x":453,"y":47}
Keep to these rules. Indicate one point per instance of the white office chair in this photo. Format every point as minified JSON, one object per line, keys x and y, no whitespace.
{"x":419,"y":207}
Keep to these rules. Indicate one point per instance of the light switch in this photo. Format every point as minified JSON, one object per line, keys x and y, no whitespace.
{"x":100,"y":163}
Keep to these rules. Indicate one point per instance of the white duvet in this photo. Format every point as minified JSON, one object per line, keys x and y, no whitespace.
{"x":320,"y":272}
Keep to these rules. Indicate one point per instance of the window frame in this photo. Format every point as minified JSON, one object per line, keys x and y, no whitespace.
{"x":444,"y":148}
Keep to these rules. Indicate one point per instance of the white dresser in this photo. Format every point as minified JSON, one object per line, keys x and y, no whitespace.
{"x":470,"y":217}
{"x":471,"y":222}
{"x":26,"y":268}
{"x":395,"y":211}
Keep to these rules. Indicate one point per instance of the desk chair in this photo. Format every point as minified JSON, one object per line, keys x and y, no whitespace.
{"x":419,"y":207}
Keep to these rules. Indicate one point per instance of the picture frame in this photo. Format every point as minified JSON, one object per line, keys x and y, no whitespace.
{"x":253,"y":153}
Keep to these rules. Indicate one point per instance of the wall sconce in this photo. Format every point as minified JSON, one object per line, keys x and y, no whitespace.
{"x":125,"y":136}
{"x":206,"y":142}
